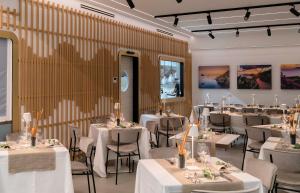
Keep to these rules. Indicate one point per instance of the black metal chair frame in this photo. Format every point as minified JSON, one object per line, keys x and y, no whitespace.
{"x":246,"y":142}
{"x":276,"y":186}
{"x":222,"y":125}
{"x":119,"y":155}
{"x":72,"y":147}
{"x":89,"y":172}
{"x":167,"y":135}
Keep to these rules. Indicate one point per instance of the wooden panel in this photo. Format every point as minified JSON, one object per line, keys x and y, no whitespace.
{"x":68,"y":58}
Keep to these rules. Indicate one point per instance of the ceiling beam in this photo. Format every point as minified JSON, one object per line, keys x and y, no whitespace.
{"x":228,"y":9}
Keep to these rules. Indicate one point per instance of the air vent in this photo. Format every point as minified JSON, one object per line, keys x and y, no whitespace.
{"x":97,"y":10}
{"x":164,"y":32}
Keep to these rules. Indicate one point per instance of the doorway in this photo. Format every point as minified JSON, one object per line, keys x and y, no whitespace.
{"x":129,"y":85}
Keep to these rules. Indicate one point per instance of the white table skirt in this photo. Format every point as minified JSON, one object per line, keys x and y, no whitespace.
{"x":269,"y":144}
{"x":58,"y":180}
{"x":100,"y":136}
{"x":153,"y":178}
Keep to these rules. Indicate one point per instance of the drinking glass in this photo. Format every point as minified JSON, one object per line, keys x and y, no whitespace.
{"x":203,"y":153}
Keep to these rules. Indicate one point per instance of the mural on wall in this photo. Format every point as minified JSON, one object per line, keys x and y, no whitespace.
{"x":290,"y":76}
{"x":214,"y":77}
{"x":254,"y":76}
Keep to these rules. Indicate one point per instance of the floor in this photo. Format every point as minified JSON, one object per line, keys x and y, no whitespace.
{"x":126,"y":182}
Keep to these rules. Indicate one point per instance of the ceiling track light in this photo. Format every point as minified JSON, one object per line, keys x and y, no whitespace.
{"x":209,"y":21}
{"x":247,"y":15}
{"x":176,"y":20}
{"x":130,"y":4}
{"x":269,"y":31}
{"x":294,"y":11}
{"x":299,"y":30}
{"x":211,"y":35}
{"x":237,"y":33}
{"x":179,"y":1}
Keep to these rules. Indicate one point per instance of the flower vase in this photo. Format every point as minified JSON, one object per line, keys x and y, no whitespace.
{"x":181,"y":160}
{"x":33,"y":141}
{"x":118,"y":121}
{"x":293,"y":139}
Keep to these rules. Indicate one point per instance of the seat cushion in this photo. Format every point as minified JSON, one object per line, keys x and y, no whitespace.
{"x":77,"y":166}
{"x":128,"y":148}
{"x":255,"y":145}
{"x":288,"y":178}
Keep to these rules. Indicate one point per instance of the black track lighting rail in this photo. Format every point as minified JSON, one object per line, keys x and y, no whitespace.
{"x":229,"y":9}
{"x":246,"y":27}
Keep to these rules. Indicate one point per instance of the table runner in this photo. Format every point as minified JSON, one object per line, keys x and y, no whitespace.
{"x":282,"y":146}
{"x":31,"y":159}
{"x":228,"y":182}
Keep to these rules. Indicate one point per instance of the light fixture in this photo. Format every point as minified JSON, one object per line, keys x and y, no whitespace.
{"x":209,"y":21}
{"x":211,"y":35}
{"x":176,"y":21}
{"x":237,"y":33}
{"x":247,"y":15}
{"x":269,"y":31}
{"x":299,"y":30}
{"x":130,"y":4}
{"x":179,"y":1}
{"x":294,"y":11}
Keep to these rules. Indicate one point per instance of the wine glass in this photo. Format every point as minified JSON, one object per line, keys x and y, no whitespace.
{"x":203,"y":153}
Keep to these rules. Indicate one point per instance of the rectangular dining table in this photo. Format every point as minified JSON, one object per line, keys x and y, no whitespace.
{"x":57,"y":179}
{"x":100,"y":134}
{"x":152,"y":177}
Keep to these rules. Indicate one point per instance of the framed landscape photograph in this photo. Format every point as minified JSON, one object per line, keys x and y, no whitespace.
{"x":290,"y":76}
{"x":213,"y":77}
{"x":254,"y":76}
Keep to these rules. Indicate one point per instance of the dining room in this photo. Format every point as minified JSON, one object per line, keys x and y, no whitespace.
{"x":137,"y":96}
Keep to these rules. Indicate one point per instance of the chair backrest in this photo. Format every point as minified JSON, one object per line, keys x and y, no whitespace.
{"x":86,"y":146}
{"x":274,"y":111}
{"x":251,"y":120}
{"x":74,"y":132}
{"x":199,"y":109}
{"x":12,"y":137}
{"x":171,"y":123}
{"x":125,"y":135}
{"x":152,"y":126}
{"x":248,"y":110}
{"x":252,"y":190}
{"x":263,"y":170}
{"x":284,"y":160}
{"x":258,"y":134}
{"x":219,"y":119}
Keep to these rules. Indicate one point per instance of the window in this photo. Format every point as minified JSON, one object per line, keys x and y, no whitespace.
{"x":171,"y":79}
{"x":5,"y":80}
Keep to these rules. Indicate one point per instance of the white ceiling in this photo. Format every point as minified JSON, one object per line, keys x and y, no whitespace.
{"x":146,"y":9}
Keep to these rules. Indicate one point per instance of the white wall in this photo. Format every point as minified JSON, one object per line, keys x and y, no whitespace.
{"x":257,"y":48}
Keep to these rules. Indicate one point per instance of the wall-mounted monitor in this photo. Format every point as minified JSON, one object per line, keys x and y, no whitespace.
{"x":171,"y":79}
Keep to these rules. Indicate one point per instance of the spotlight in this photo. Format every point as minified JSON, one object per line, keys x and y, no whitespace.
{"x":299,"y":30}
{"x":211,"y":35}
{"x":269,"y":31}
{"x":237,"y":33}
{"x":176,"y":21}
{"x":130,"y":4}
{"x":294,"y":11}
{"x":209,"y":21}
{"x":247,"y":15}
{"x":179,"y":1}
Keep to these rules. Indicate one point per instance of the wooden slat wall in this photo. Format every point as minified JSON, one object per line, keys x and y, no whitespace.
{"x":68,"y":58}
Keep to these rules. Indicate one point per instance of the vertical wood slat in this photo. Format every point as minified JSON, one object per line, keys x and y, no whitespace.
{"x":69,"y":60}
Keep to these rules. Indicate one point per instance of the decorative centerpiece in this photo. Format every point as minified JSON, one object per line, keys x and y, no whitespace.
{"x":34,"y":129}
{"x":117,"y":108}
{"x":293,"y":125}
{"x":27,"y":119}
{"x":181,"y":148}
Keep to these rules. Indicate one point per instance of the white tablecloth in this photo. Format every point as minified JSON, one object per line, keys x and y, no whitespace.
{"x":151,"y":177}
{"x":100,"y":135}
{"x":58,"y":180}
{"x":148,"y":117}
{"x":269,"y":144}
